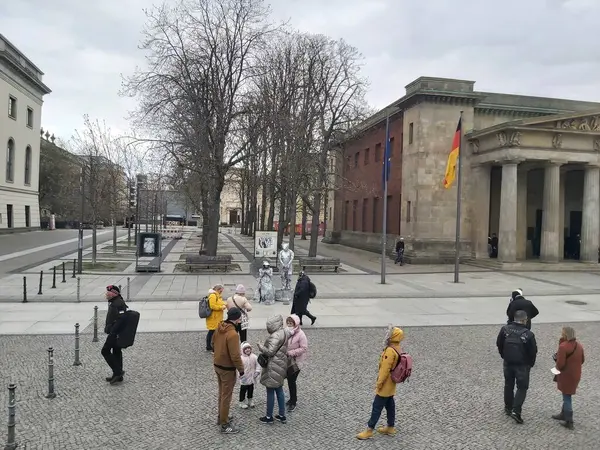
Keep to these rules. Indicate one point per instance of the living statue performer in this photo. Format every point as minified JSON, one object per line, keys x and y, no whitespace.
{"x":266,"y":291}
{"x":286,"y":259}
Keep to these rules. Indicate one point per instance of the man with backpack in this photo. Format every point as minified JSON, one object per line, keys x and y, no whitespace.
{"x":305,"y":290}
{"x":394,"y":367}
{"x":520,"y":303}
{"x":517,"y":347}
{"x":111,"y":351}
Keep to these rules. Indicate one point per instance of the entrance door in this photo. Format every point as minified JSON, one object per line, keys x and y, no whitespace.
{"x":233,"y":216}
{"x":9,"y":215}
{"x":536,"y":243}
{"x":574,"y":241}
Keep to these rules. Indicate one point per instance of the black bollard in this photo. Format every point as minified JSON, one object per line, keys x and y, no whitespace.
{"x":54,"y":277}
{"x":41,"y":281}
{"x":11,"y":443}
{"x":24,"y":289}
{"x":74,"y":267}
{"x":95,"y":338}
{"x":64,"y":280}
{"x":77,"y":362}
{"x":51,"y":393}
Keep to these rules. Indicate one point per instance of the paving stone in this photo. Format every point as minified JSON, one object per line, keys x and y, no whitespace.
{"x":168,"y":399}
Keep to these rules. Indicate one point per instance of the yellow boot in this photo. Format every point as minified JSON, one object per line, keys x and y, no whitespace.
{"x":367,"y":434}
{"x":390,"y":431}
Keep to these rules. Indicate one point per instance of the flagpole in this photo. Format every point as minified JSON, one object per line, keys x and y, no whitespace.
{"x":385,"y":205}
{"x":458,"y":204}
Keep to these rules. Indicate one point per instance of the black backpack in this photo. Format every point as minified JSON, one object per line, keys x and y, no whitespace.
{"x":312,"y":290}
{"x":514,"y":346}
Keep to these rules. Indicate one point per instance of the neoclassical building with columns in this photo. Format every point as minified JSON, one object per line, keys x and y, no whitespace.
{"x":529,"y":169}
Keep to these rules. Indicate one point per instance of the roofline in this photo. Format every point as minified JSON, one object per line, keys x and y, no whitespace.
{"x":20,"y":53}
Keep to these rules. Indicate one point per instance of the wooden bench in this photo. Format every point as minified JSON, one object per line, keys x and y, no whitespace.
{"x":320,"y":263}
{"x":223,"y":262}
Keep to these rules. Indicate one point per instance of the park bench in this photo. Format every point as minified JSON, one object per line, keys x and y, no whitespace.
{"x":219,"y":262}
{"x":320,"y":263}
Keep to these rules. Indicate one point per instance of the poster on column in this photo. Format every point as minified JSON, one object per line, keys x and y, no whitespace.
{"x":265,"y":244}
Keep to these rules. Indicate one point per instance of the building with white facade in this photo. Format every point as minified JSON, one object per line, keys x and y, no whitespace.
{"x":21,"y":92}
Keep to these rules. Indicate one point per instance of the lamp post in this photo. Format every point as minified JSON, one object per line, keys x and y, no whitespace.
{"x":80,"y":240}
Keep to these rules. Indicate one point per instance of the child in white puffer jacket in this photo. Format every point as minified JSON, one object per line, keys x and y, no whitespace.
{"x":251,"y":373}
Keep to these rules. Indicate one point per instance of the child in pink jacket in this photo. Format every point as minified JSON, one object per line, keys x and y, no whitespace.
{"x":251,"y":373}
{"x":297,"y":348}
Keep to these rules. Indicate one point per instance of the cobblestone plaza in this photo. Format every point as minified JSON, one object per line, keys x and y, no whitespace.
{"x":168,"y":398}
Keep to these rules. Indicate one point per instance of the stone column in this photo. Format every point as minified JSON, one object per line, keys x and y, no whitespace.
{"x":507,"y":236}
{"x":561,"y":212}
{"x":550,"y":217}
{"x":590,"y":225}
{"x":481,"y":209}
{"x":522,"y":213}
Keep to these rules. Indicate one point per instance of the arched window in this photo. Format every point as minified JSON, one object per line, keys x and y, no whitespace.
{"x":28,"y":165}
{"x":10,"y":161}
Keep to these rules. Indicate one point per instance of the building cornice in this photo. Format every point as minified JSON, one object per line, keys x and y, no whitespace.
{"x":27,"y":74}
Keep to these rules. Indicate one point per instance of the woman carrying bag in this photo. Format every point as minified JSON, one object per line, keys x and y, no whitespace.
{"x":297,"y":348}
{"x":569,"y":361}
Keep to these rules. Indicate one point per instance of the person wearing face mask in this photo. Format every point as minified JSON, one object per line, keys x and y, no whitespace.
{"x":296,"y":352}
{"x":112,"y":353}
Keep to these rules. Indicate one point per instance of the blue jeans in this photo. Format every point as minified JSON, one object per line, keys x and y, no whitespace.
{"x":390,"y":408}
{"x":271,"y":392}
{"x":567,"y":403}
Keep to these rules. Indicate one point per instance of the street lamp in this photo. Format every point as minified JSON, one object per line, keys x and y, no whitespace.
{"x":80,"y":240}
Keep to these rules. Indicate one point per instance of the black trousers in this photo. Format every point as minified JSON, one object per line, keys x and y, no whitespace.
{"x":243,"y":333}
{"x":113,"y":355}
{"x":209,"y":336}
{"x":520,"y":376}
{"x":304,"y":312}
{"x":246,"y":389}
{"x":293,"y":387}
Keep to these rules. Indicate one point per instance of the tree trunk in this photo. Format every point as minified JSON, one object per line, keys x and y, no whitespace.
{"x":114,"y":223}
{"x":281,"y":226}
{"x":293,"y":219}
{"x":271,"y":217}
{"x":314,"y":231}
{"x":243,"y":203}
{"x":212,"y":235}
{"x":325,"y":215}
{"x":263,"y":206}
{"x":304,"y":219}
{"x":94,"y":241}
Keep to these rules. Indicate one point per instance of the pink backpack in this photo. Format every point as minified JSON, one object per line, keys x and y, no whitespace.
{"x":403,"y":369}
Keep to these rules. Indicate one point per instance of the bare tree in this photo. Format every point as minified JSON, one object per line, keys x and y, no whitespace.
{"x":199,"y":55}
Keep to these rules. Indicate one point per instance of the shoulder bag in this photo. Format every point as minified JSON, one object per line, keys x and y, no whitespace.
{"x":263,"y":360}
{"x":244,"y":323}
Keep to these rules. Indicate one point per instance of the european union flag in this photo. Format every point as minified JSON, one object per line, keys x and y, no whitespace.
{"x":385,"y":173}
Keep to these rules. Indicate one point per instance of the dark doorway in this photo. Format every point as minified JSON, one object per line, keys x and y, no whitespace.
{"x":233,"y":217}
{"x":9,"y":216}
{"x":537,"y":237}
{"x":573,"y":240}
{"x":27,"y":216}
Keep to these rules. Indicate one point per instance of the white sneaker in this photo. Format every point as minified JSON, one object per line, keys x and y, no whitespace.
{"x":251,"y":403}
{"x":243,"y":405}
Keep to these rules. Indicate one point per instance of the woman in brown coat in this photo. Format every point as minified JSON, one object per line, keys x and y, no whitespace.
{"x":569,"y":360}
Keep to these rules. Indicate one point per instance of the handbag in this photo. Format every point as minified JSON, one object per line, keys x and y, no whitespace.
{"x":555,"y":358}
{"x":263,"y":360}
{"x":293,"y":368}
{"x":244,"y":322}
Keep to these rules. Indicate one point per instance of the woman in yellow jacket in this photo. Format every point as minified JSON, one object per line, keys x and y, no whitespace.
{"x":385,"y":388}
{"x":217,"y":306}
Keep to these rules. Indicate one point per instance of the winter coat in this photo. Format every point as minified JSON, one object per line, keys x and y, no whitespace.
{"x":570,"y":369}
{"x":301,"y":295}
{"x":251,"y":366}
{"x":521,"y":303}
{"x":226,"y":345}
{"x":216,"y":304}
{"x":385,"y":386}
{"x":297,"y":344}
{"x":275,"y":349}
{"x":241,"y":302}
{"x":116,"y":306}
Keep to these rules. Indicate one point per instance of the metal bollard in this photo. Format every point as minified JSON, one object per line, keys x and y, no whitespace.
{"x":78,"y":289}
{"x":51,"y":393}
{"x":77,"y":362}
{"x":128,"y":286}
{"x":41,"y":282}
{"x":74,"y":267}
{"x":95,"y":339}
{"x":120,"y":288}
{"x":64,"y":272}
{"x":11,"y":443}
{"x":24,"y":289}
{"x":54,"y":277}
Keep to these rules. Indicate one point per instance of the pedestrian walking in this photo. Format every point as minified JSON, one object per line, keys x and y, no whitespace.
{"x":240,"y":301}
{"x":112,"y":353}
{"x":517,"y":347}
{"x":217,"y":306}
{"x":251,"y":374}
{"x":400,"y":252}
{"x":274,"y":363}
{"x":569,"y":361}
{"x":520,"y":303}
{"x":297,"y":349}
{"x":227,"y":359}
{"x":302,"y":295}
{"x":385,"y":388}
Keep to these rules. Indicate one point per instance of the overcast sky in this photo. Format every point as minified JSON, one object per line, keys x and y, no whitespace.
{"x":535,"y":47}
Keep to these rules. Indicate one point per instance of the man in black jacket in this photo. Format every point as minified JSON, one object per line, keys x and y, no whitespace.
{"x":111,"y":352}
{"x":520,"y":303}
{"x":301,"y":298}
{"x":517,"y":347}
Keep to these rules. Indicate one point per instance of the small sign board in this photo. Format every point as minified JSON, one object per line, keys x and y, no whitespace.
{"x":149,"y":245}
{"x":265,"y":244}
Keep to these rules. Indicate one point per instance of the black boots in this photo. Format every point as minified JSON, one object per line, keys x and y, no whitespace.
{"x":568,"y":420}
{"x":560,"y":416}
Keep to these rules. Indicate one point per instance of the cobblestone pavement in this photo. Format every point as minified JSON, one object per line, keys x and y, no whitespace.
{"x":168,"y":400}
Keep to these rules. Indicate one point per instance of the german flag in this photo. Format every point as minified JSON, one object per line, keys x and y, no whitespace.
{"x":453,"y":157}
